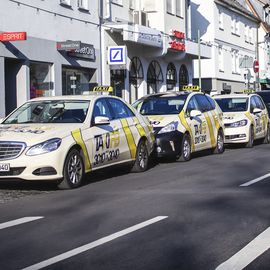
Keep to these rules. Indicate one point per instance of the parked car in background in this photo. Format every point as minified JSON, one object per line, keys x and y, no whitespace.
{"x":245,"y":118}
{"x":62,"y":138}
{"x":183,"y":122}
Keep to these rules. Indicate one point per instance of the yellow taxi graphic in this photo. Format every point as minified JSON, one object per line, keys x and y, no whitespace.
{"x":62,"y":138}
{"x":183,"y":122}
{"x":245,"y":118}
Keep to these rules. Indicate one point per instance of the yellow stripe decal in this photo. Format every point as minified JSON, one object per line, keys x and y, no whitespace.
{"x":217,"y":124}
{"x":77,"y":136}
{"x":129,"y":137}
{"x":248,"y":115}
{"x":211,"y":130}
{"x":187,"y":127}
{"x":139,"y":127}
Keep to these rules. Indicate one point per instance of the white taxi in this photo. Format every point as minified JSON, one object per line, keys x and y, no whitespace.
{"x":245,"y":118}
{"x":62,"y":138}
{"x":183,"y":122}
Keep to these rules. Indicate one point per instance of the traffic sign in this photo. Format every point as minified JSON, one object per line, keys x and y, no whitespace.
{"x":117,"y":55}
{"x":256,"y":66}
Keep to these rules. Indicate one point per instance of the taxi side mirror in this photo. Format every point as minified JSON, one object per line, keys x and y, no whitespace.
{"x":195,"y":113}
{"x":257,"y":110}
{"x":102,"y":120}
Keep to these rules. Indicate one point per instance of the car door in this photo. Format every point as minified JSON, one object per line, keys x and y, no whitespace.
{"x":196,"y":124}
{"x":263,"y":116}
{"x":257,"y":118}
{"x":99,"y":140}
{"x":208,"y":124}
{"x":126,"y":127}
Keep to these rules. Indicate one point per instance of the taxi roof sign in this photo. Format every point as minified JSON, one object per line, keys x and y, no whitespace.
{"x":103,"y":89}
{"x":191,"y":88}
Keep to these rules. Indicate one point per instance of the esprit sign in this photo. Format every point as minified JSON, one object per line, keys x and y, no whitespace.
{"x":12,"y":36}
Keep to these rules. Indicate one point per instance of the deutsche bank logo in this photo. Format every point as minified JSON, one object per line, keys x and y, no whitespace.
{"x":117,"y":55}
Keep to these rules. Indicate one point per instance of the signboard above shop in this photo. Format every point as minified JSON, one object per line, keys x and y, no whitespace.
{"x":12,"y":36}
{"x":117,"y":55}
{"x":86,"y":51}
{"x":142,"y":35}
{"x":68,"y":45}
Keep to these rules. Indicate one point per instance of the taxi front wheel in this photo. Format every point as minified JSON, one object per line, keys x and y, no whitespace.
{"x":219,"y":149}
{"x":251,"y":138}
{"x":73,"y":170}
{"x":142,"y":157}
{"x":186,"y":149}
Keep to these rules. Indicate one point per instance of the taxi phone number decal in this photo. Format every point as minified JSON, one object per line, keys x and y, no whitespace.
{"x":104,"y":143}
{"x":200,"y":134}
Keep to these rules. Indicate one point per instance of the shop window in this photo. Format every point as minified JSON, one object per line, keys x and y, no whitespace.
{"x":135,"y":77}
{"x":77,"y":81}
{"x":171,"y":76}
{"x":41,"y":84}
{"x":183,"y":77}
{"x":154,"y":77}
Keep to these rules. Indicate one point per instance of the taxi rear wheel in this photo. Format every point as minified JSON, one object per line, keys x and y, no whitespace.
{"x":142,"y":157}
{"x":267,"y":137}
{"x":73,"y":171}
{"x":251,"y":138}
{"x":186,"y":149}
{"x":219,"y":149}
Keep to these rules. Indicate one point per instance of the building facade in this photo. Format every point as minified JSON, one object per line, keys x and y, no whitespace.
{"x":37,"y":66}
{"x":156,"y":35}
{"x":232,"y":32}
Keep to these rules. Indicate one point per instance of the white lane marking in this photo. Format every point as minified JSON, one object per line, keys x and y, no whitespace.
{"x":249,"y":253}
{"x":18,"y":222}
{"x":94,"y":244}
{"x":249,"y":183}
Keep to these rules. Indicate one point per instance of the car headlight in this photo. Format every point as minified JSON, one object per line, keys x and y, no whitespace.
{"x":239,"y":123}
{"x":169,"y":128}
{"x":44,"y":147}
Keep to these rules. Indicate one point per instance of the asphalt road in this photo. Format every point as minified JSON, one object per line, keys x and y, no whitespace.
{"x":192,"y":215}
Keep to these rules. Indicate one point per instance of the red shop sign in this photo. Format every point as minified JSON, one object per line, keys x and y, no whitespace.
{"x":178,"y":46}
{"x":12,"y":36}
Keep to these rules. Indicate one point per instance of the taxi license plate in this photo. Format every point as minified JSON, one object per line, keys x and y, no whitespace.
{"x":4,"y":167}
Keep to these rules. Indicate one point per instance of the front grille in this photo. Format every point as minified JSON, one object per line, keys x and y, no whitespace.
{"x":11,"y":150}
{"x":13,"y":171}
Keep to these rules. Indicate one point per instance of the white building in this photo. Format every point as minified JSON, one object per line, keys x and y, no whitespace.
{"x":261,"y":9}
{"x":34,"y":66}
{"x":232,"y":32}
{"x":159,"y":56}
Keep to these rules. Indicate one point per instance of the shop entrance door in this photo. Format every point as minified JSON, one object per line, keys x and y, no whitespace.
{"x":12,"y":68}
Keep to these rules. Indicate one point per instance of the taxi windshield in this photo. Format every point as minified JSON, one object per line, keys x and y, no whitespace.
{"x":161,"y":105}
{"x":50,"y":111}
{"x":233,"y":104}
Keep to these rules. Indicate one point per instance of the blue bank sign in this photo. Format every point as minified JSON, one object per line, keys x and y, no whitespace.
{"x":117,"y":55}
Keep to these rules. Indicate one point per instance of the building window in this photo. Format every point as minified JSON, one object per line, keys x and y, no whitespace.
{"x":75,"y":81}
{"x":83,"y":4}
{"x":251,"y":36}
{"x":220,"y":59}
{"x":235,"y":62}
{"x":246,"y":33}
{"x":41,"y":84}
{"x":132,"y":4}
{"x":235,"y":25}
{"x":221,"y":20}
{"x":135,"y":77}
{"x":178,"y":8}
{"x":183,"y":77}
{"x":171,"y":76}
{"x":169,"y":6}
{"x":154,"y":77}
